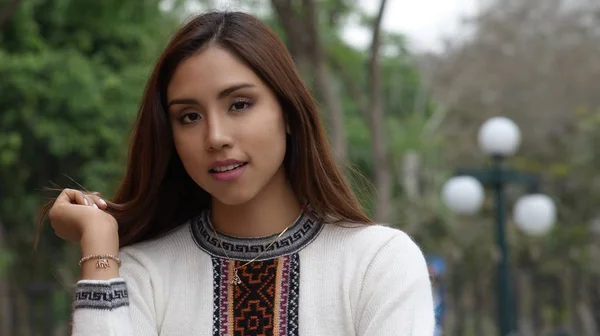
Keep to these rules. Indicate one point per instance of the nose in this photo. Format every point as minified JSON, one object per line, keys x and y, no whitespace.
{"x":218,"y":135}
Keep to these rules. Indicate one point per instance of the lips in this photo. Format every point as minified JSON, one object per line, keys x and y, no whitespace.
{"x":227,"y":168}
{"x":224,"y":164}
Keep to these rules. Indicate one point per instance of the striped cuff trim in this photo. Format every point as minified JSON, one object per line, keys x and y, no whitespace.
{"x":104,"y":296}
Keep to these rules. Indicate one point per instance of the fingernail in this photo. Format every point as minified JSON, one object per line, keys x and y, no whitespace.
{"x":95,"y":206}
{"x":103,"y":202}
{"x":86,"y":202}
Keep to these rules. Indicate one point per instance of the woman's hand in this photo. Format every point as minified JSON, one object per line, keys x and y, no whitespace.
{"x":75,"y":215}
{"x":80,"y":218}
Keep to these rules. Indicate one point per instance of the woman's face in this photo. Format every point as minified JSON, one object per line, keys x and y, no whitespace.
{"x":228,"y":127}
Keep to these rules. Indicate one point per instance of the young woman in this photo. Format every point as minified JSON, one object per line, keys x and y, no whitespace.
{"x":233,"y":218}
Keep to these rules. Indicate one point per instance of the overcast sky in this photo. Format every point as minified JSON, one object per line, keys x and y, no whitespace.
{"x":424,"y":22}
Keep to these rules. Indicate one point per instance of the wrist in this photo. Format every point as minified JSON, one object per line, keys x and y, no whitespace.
{"x":100,"y":267}
{"x":100,"y":238}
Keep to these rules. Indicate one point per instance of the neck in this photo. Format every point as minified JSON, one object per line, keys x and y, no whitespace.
{"x":271,"y":211}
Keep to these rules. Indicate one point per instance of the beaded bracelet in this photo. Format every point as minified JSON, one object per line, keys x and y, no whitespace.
{"x":102,"y":260}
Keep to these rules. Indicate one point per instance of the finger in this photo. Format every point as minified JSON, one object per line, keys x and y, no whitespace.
{"x":89,"y":200}
{"x":98,"y":201}
{"x":71,"y":196}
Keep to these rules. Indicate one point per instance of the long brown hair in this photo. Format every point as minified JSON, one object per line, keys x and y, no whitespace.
{"x":157,"y":195}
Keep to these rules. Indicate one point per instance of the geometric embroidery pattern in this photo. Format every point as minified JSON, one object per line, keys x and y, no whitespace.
{"x":101,"y":296}
{"x":264,"y":303}
{"x":302,"y":232}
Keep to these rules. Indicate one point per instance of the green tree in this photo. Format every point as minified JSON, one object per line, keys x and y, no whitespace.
{"x":72,"y":73}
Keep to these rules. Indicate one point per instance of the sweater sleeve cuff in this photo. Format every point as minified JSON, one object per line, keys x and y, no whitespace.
{"x":101,"y":294}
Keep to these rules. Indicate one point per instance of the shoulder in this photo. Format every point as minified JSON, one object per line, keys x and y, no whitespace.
{"x":153,"y":251}
{"x":368,"y":236}
{"x":369,"y":245}
{"x":392,"y":285}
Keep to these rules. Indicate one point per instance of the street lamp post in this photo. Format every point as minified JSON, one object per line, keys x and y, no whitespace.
{"x":534,"y":213}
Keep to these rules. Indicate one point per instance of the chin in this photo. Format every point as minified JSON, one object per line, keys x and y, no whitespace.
{"x":233,"y":198}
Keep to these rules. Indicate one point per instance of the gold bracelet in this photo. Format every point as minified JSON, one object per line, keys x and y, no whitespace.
{"x":101,"y":260}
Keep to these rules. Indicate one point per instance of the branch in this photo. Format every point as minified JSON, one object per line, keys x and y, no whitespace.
{"x":373,"y":72}
{"x":373,"y":68}
{"x":444,"y":105}
{"x":378,"y":20}
{"x":376,"y":44}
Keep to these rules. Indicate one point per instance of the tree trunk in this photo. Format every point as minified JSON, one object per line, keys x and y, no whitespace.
{"x":459,"y":284}
{"x":536,"y":305}
{"x":524,"y":294}
{"x":331,"y":101}
{"x":5,"y":294}
{"x":585,"y":307}
{"x":479,"y":291}
{"x":411,"y":175}
{"x":408,"y":172}
{"x":568,"y":299}
{"x":22,"y":311}
{"x":291,"y":23}
{"x":325,"y":83}
{"x":302,"y":32}
{"x":306,"y":48}
{"x":381,"y":167}
{"x":576,"y":322}
{"x":589,"y":310}
{"x":8,"y":12}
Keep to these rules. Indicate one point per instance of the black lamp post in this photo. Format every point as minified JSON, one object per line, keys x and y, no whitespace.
{"x":534,"y":213}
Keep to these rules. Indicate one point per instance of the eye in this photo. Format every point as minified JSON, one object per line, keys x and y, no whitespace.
{"x":190,"y":118}
{"x":240,"y":105}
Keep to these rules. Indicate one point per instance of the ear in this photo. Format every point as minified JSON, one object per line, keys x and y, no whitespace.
{"x":286,"y":120}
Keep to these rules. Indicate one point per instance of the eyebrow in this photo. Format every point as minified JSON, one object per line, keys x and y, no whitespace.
{"x":221,"y":95}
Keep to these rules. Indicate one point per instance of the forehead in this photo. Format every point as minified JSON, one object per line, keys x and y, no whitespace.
{"x":209,"y":71}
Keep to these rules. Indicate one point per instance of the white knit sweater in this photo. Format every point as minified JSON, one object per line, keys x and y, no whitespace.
{"x":317,"y":280}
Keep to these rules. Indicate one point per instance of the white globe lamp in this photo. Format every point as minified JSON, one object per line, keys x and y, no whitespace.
{"x":463,"y":195}
{"x":499,"y":136}
{"x":535,"y":214}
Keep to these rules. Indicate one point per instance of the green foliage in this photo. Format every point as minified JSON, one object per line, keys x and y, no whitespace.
{"x":72,"y":74}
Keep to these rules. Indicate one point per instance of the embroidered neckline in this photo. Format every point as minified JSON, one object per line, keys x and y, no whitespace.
{"x":299,"y":235}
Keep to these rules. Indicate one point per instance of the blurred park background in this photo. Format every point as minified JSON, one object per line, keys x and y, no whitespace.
{"x":72,"y":74}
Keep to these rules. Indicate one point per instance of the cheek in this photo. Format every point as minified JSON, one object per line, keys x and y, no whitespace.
{"x":268,"y":137}
{"x":180,"y":143}
{"x":188,"y":147}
